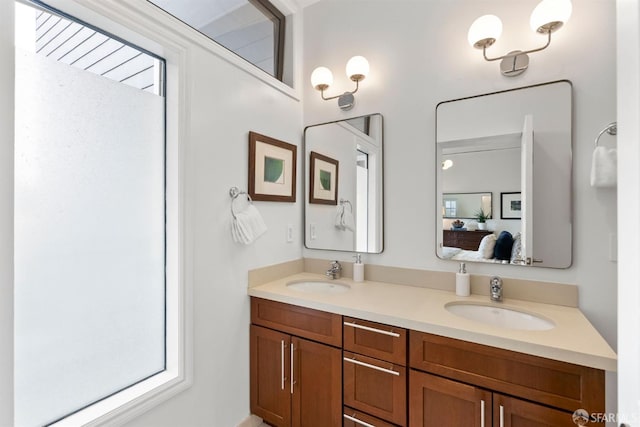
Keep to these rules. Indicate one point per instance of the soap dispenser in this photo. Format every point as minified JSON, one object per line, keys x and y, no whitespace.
{"x":358,"y":269}
{"x":463,"y":284}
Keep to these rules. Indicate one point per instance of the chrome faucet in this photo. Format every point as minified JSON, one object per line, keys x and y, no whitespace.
{"x":334,"y":271}
{"x":495,"y":288}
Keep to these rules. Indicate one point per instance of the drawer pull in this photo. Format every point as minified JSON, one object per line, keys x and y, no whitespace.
{"x":367,"y":328}
{"x":282,"y":378}
{"x":367,"y":365}
{"x":292,"y":365}
{"x":501,"y":416}
{"x":357,"y":421}
{"x":482,"y":413}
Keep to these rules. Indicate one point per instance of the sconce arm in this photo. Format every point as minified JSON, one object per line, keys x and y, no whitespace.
{"x":510,"y":55}
{"x":338,"y":96}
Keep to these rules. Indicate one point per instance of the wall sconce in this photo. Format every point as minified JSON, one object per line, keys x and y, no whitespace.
{"x":546,"y":18}
{"x":357,"y":70}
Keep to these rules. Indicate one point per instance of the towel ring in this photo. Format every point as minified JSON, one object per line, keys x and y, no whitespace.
{"x":611,"y":129}
{"x":234,"y":192}
{"x":345,"y":201}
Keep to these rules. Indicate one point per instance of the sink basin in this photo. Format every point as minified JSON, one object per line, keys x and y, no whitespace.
{"x":318,"y":286}
{"x":502,"y":317}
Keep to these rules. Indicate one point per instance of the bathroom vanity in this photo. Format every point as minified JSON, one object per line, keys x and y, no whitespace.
{"x":393,"y":355}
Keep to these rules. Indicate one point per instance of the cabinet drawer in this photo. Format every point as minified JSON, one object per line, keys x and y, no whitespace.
{"x":559,"y":384}
{"x":300,"y":321}
{"x":376,"y":340}
{"x":376,"y":387}
{"x":355,"y":418}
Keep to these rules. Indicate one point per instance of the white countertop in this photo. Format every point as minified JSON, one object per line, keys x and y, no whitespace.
{"x":573,"y":339}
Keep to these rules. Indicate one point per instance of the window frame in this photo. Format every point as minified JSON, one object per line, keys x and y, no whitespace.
{"x":266,"y":7}
{"x":271,"y":13}
{"x":178,"y":374}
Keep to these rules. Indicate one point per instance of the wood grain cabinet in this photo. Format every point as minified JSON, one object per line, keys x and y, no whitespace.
{"x":375,"y":373}
{"x":311,"y":368}
{"x":296,"y":380}
{"x":441,"y":402}
{"x":454,"y":383}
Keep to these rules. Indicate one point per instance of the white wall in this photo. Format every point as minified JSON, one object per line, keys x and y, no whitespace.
{"x":6,"y":212}
{"x":419,"y":56}
{"x":629,"y":207}
{"x":225,"y":104}
{"x":416,"y":62}
{"x":476,"y":172}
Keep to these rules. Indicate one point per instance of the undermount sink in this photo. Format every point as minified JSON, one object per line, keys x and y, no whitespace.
{"x":507,"y":318}
{"x":318,"y":286}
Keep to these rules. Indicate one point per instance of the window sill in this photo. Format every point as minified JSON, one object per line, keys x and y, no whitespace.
{"x":129,"y":403}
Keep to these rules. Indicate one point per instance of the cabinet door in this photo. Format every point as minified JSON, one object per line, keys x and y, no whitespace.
{"x":376,"y":387}
{"x":512,"y":412}
{"x":316,"y":373}
{"x":270,"y":393}
{"x":439,"y":402}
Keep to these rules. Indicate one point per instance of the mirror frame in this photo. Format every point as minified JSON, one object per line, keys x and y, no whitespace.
{"x":565,"y":189}
{"x":305,"y":185}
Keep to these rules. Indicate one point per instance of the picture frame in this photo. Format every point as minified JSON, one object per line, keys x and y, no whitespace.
{"x":511,"y":205}
{"x":272,"y":169}
{"x":323,"y":179}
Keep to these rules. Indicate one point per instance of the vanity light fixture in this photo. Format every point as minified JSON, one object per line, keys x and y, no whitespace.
{"x":546,"y":18}
{"x":357,"y":69}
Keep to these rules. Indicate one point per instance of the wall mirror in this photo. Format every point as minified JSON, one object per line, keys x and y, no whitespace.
{"x":466,"y":205}
{"x":516,"y":146}
{"x":344,"y":185}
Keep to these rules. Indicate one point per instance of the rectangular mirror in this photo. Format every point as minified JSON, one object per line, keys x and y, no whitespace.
{"x":516,"y":145}
{"x":466,"y":205}
{"x":344,"y":185}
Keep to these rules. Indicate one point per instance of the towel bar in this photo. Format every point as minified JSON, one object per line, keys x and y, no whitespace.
{"x":611,"y":129}
{"x":234,"y":192}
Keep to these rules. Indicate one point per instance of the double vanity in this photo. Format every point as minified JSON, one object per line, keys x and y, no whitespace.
{"x":337,"y":352}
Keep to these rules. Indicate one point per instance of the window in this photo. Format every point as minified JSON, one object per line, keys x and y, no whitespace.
{"x":90,"y":216}
{"x":450,"y":208}
{"x":252,"y":29}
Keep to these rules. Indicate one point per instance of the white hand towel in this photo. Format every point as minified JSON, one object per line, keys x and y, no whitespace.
{"x":604,"y":167}
{"x":347,"y":220}
{"x":248,"y":225}
{"x":339,"y":213}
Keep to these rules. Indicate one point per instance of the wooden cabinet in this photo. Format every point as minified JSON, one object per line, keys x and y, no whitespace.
{"x":441,"y":402}
{"x":374,"y":367}
{"x":512,"y":412}
{"x":469,"y":240}
{"x":517,"y":389}
{"x":312,"y":368}
{"x":295,"y":381}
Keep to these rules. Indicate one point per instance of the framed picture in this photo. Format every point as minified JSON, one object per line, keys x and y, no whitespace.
{"x":272,"y":169}
{"x":323,"y":179}
{"x":511,"y":205}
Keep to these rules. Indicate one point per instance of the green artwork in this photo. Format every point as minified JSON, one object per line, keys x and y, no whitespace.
{"x":273,"y":170}
{"x":325,"y":179}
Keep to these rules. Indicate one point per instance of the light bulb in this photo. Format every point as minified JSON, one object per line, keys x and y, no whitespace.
{"x":549,"y":15}
{"x":321,"y":78}
{"x":357,"y":68}
{"x":447,"y":164}
{"x":484,"y":31}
